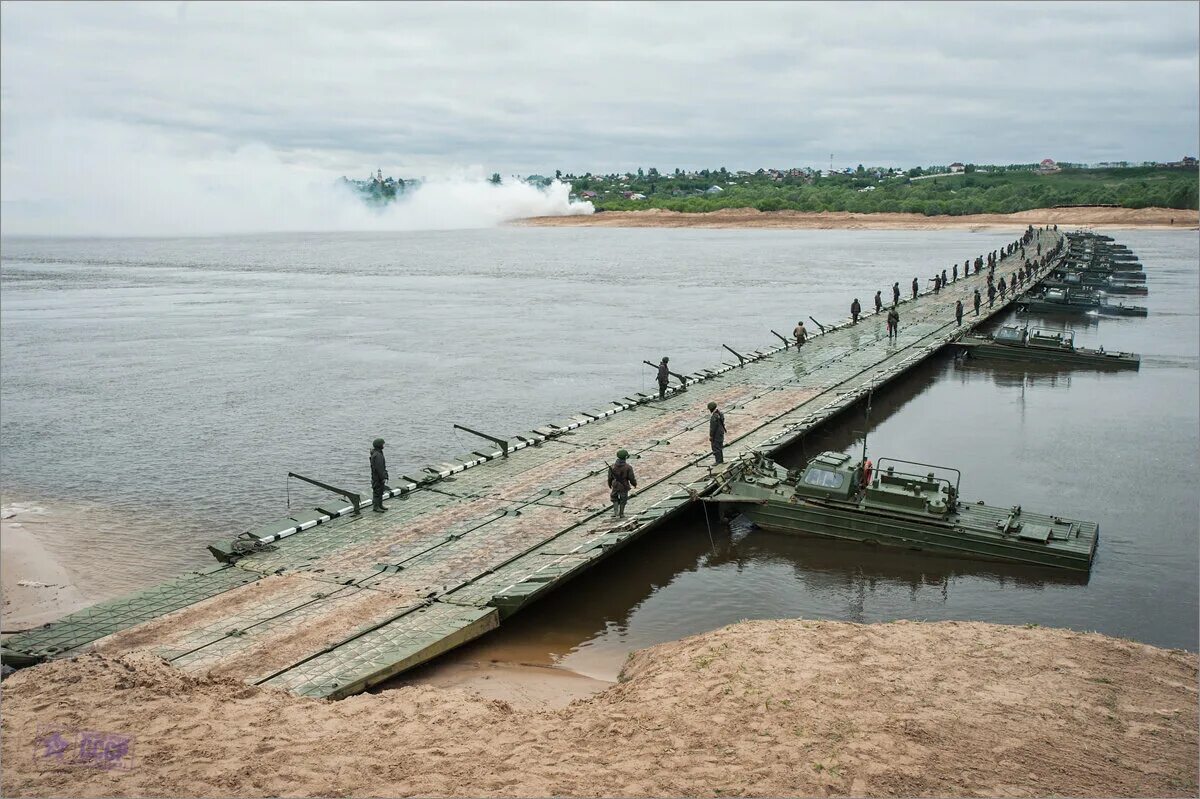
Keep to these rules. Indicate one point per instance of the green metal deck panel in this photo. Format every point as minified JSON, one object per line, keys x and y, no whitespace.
{"x":369,"y":658}
{"x":264,"y":645}
{"x":98,"y":621}
{"x":483,"y":528}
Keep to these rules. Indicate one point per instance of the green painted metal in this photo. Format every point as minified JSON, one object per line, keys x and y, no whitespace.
{"x":70,"y":633}
{"x":907,"y":509}
{"x":1015,"y":343}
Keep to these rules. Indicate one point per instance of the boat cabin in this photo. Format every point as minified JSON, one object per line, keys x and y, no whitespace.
{"x":1011,"y":334}
{"x":832,"y":475}
{"x":1052,"y":339}
{"x":836,"y":476}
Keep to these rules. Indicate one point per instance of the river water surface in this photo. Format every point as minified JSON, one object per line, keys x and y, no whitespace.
{"x":155,"y":392}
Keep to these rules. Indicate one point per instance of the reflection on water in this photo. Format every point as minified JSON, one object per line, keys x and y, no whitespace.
{"x":174,"y":383}
{"x":1119,"y":447}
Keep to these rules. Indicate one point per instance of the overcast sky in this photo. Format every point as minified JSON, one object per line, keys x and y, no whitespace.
{"x":516,"y":88}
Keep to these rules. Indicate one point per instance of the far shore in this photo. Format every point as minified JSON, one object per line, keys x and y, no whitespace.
{"x":1094,"y":217}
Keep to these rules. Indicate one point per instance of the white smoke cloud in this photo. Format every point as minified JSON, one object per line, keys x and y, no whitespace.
{"x":109,"y":179}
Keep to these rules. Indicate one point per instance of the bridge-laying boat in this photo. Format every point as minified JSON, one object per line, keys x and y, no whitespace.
{"x":1075,"y":301}
{"x":899,"y":503}
{"x":1047,"y":346}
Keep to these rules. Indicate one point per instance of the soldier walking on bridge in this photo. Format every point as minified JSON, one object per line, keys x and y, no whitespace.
{"x":978,"y":299}
{"x":1002,"y":288}
{"x":379,"y":476}
{"x":716,"y":432}
{"x":958,"y":310}
{"x":855,"y":310}
{"x":620,"y":479}
{"x":916,"y":285}
{"x":895,"y":293}
{"x":893,"y":324}
{"x":878,"y":301}
{"x":991,"y":294}
{"x":800,"y":334}
{"x":664,"y":377}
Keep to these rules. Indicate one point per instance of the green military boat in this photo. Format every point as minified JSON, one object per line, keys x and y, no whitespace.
{"x":1075,"y":301}
{"x":1101,"y":283}
{"x":903,"y":504}
{"x":1048,"y":346}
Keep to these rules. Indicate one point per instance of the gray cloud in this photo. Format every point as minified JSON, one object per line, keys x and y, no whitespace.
{"x":514,"y":87}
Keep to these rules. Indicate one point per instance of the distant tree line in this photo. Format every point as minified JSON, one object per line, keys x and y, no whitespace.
{"x":931,"y":191}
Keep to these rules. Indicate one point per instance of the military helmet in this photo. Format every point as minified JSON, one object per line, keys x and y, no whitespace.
{"x":712,"y":406}
{"x":622,"y":454}
{"x":665,"y":359}
{"x":377,"y":443}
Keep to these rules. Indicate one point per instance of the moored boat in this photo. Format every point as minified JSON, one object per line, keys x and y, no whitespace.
{"x":1048,"y":346}
{"x":903,"y":504}
{"x":1075,"y":301}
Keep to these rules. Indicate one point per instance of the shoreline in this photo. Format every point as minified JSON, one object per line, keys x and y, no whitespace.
{"x":1095,"y":217}
{"x":763,"y":708}
{"x":37,"y":587}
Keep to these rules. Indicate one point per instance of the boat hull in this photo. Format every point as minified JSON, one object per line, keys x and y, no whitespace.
{"x":965,"y":534}
{"x":985,"y":348}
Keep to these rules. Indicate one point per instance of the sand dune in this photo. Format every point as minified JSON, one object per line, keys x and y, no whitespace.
{"x":766,"y":708}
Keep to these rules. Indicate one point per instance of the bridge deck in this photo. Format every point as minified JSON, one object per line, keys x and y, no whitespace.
{"x":353,"y":600}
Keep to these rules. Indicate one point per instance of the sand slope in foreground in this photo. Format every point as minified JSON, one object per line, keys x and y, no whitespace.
{"x":767,"y":708}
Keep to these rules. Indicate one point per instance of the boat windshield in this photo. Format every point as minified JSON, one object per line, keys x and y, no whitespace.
{"x":1012,"y":334}
{"x":824,"y":478}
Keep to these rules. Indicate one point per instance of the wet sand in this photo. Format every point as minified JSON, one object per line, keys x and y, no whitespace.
{"x":765,"y":708}
{"x":37,"y":588}
{"x":1097,"y":218}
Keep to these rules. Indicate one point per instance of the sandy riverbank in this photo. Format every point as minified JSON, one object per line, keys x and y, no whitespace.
{"x":36,"y":586}
{"x":767,"y":708}
{"x":1092,"y":217}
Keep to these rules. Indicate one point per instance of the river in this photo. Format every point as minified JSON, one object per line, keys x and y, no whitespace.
{"x":155,"y":392}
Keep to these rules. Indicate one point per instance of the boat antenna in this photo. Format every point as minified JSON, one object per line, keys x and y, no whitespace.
{"x":867,"y":424}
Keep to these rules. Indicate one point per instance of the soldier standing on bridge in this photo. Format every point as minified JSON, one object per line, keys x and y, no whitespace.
{"x":978,"y":299}
{"x":916,"y":285}
{"x":664,"y":377}
{"x":958,"y":313}
{"x":716,"y":432}
{"x":800,"y":334}
{"x":954,"y":274}
{"x":893,"y":324}
{"x":379,"y":476}
{"x":855,"y":310}
{"x":943,"y":278}
{"x":878,"y":301}
{"x":620,"y":479}
{"x":895,"y":293}
{"x":991,"y":294}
